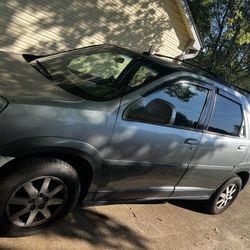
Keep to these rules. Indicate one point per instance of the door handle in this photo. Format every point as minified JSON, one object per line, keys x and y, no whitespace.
{"x":242,"y":148}
{"x":191,"y":141}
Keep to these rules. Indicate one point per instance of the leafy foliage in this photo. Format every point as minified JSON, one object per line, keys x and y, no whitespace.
{"x":224,"y":26}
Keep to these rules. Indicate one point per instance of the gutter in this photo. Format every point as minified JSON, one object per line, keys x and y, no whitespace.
{"x":188,"y":52}
{"x":195,"y":44}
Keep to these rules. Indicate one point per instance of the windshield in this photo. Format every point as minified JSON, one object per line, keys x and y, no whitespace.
{"x":92,"y":72}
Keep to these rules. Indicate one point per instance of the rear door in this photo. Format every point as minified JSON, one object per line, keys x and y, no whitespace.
{"x":222,"y":147}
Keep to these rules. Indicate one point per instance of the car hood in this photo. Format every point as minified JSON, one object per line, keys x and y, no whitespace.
{"x":19,"y":80}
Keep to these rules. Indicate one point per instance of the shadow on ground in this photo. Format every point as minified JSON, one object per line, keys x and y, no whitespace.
{"x":193,"y":205}
{"x":198,"y":206}
{"x":98,"y":230}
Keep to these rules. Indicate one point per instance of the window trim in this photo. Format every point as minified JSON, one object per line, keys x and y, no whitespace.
{"x":234,"y":99}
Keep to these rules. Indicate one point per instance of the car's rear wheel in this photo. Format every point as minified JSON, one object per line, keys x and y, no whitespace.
{"x":35,"y":194}
{"x":225,"y":195}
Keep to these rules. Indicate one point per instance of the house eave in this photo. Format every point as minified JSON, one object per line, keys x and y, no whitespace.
{"x":196,"y":43}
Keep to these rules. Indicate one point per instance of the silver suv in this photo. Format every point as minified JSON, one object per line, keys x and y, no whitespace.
{"x":106,"y":124}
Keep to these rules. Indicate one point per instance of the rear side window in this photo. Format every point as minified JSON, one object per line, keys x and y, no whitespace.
{"x":227,"y":117}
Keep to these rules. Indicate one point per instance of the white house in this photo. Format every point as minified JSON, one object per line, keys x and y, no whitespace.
{"x":48,"y":26}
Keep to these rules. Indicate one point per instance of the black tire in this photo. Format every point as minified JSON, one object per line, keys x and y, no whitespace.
{"x":217,"y":204}
{"x":46,"y":188}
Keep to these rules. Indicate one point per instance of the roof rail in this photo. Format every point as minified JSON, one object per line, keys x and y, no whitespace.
{"x":191,"y":64}
{"x":210,"y":73}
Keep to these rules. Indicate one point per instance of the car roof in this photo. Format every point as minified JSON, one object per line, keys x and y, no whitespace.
{"x":164,"y":62}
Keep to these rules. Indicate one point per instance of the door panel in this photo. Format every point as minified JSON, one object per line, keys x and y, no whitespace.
{"x":146,"y":160}
{"x":219,"y":151}
{"x":146,"y":157}
{"x":212,"y":164}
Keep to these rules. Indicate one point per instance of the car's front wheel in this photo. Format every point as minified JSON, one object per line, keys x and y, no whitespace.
{"x":225,"y":195}
{"x":35,"y":194}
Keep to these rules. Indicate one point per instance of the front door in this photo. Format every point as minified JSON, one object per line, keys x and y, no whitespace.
{"x":154,"y":140}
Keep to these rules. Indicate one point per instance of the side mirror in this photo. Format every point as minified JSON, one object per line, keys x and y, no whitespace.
{"x":156,"y":111}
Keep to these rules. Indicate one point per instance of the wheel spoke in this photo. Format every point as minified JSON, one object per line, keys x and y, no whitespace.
{"x":54,"y":201}
{"x":56,"y":190}
{"x":220,"y":201}
{"x":20,"y":213}
{"x":18,"y":201}
{"x":232,"y":192}
{"x":30,"y":189}
{"x":45,"y":185}
{"x":46,"y":212}
{"x":222,"y":204}
{"x":31,"y":218}
{"x":227,"y":190}
{"x":232,"y":188}
{"x":19,"y":222}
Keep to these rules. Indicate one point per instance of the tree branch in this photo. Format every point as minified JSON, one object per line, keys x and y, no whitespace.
{"x":217,"y":41}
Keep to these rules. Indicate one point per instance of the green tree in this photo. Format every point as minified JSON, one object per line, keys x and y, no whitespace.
{"x":224,"y":26}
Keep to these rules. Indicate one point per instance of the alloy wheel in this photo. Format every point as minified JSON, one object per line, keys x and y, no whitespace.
{"x":36,"y":201}
{"x":226,"y":196}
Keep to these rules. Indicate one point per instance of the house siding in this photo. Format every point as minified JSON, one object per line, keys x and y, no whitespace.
{"x":46,"y":26}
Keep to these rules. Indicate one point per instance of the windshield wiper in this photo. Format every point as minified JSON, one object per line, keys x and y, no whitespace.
{"x":44,"y":70}
{"x":77,"y":90}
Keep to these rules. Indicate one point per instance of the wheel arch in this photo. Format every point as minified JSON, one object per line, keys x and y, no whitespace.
{"x":244,"y":175}
{"x":82,"y":156}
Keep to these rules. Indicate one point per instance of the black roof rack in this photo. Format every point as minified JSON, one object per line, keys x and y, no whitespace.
{"x":211,"y":74}
{"x":187,"y":63}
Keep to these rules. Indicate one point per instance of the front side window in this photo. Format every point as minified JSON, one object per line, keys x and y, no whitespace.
{"x":227,"y":117}
{"x":179,"y":104}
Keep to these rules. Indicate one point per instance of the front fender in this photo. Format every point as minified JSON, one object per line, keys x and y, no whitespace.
{"x":36,"y":145}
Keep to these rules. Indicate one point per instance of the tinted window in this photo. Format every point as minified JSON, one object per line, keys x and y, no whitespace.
{"x":188,"y":100}
{"x":181,"y":104}
{"x":227,"y":117}
{"x":144,"y":74}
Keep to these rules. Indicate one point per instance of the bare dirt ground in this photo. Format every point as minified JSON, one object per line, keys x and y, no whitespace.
{"x":170,"y":225}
